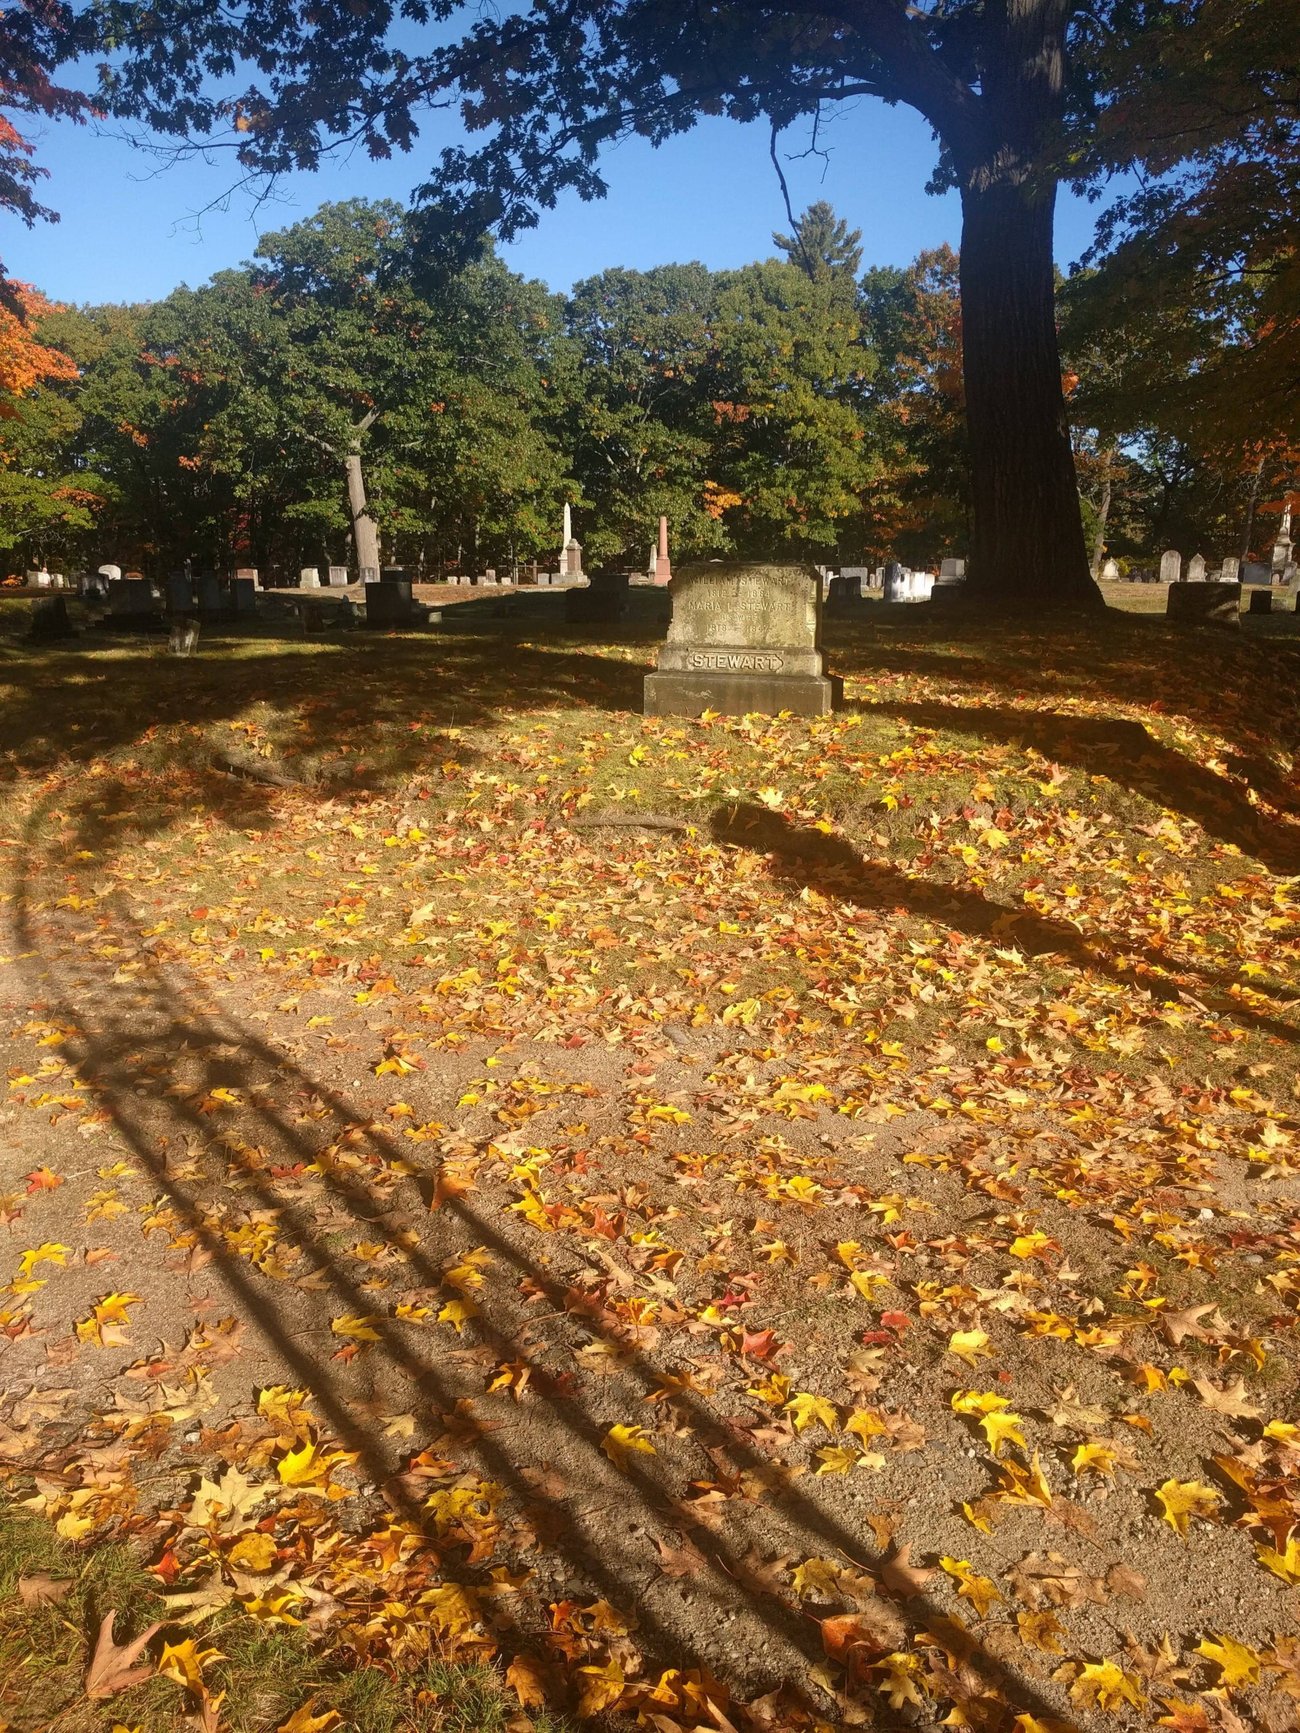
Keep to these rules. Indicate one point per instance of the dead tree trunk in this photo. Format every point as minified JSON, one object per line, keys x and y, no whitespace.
{"x":365,"y":531}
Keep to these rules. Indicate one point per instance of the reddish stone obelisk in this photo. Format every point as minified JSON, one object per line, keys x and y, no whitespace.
{"x":663,"y":567}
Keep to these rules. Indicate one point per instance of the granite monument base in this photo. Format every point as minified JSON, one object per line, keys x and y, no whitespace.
{"x":685,"y":694}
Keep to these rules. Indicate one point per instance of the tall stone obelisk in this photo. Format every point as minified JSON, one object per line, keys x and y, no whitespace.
{"x":663,"y":566}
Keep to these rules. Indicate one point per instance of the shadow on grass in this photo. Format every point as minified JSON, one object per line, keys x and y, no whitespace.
{"x":1124,"y":752}
{"x":831,"y":865}
{"x":129,"y":1037}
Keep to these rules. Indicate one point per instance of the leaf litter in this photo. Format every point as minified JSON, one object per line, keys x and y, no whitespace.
{"x":835,"y":1260}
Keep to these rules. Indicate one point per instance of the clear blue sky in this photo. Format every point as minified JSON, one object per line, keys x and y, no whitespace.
{"x":131,"y":230}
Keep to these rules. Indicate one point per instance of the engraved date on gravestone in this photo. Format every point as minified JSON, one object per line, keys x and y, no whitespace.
{"x":737,"y":661}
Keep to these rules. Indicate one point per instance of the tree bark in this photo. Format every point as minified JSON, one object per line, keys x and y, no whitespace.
{"x":1027,"y":543}
{"x":1103,"y":512}
{"x":365,"y":531}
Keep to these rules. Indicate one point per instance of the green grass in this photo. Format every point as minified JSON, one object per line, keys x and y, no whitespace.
{"x":268,"y":1672}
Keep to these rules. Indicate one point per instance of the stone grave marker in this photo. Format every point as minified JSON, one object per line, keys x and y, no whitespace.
{"x":249,"y":572}
{"x":338,"y":576}
{"x":183,"y":637}
{"x":1230,"y":571}
{"x":1196,"y":569}
{"x":389,"y":604}
{"x":743,"y":637}
{"x":604,"y":598}
{"x":1256,"y":572}
{"x":1260,"y":602}
{"x":1204,"y":604}
{"x":50,"y":621}
{"x":178,"y":593}
{"x":309,"y":578}
{"x":1171,"y":566}
{"x":243,"y":596}
{"x":1109,"y":571}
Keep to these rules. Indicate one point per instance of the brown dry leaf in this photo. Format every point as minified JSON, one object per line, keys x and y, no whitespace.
{"x":1228,"y":1399}
{"x":112,"y":1666}
{"x":41,"y":1590}
{"x":679,"y":1561}
{"x":1129,"y":1584}
{"x":526,"y":1677}
{"x":1179,"y":1325}
{"x":900,"y":1577}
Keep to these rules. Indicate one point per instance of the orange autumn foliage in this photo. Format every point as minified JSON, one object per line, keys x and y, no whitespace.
{"x":24,"y":360}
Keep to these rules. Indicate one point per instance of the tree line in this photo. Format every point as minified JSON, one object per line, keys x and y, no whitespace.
{"x":336,"y":396}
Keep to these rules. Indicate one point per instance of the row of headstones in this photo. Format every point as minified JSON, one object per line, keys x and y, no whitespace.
{"x":309,"y":577}
{"x":1232,"y":571}
{"x":895,"y":581}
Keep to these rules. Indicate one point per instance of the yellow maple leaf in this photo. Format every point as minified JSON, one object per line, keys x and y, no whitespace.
{"x":1183,"y":1499}
{"x":50,"y":1253}
{"x":1237,"y":1664}
{"x":184,"y":1662}
{"x":816,"y":1579}
{"x":253,"y":1552}
{"x":843,"y":1459}
{"x":305,"y":1720}
{"x":621,"y":1441}
{"x":601,"y":1687}
{"x":360,"y":1329}
{"x":1284,"y":1564}
{"x":1100,"y":1458}
{"x":980,"y":1591}
{"x":806,"y":1409}
{"x":1021,"y":1483}
{"x":457,"y":1313}
{"x":864,"y":1423}
{"x":970,"y":1346}
{"x":774,"y":1390}
{"x":1106,"y":1685}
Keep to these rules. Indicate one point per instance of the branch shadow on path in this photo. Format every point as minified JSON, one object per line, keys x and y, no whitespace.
{"x":129,"y":1041}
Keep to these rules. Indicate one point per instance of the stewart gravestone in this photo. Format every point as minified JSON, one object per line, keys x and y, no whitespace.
{"x":743,"y":638}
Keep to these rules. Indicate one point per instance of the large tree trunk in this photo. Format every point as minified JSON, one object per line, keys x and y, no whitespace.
{"x":1027,"y":545}
{"x":365,"y":531}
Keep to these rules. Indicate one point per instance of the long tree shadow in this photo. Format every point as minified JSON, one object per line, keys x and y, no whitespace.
{"x":1126,"y":753}
{"x":80,"y":705}
{"x":128,"y":1046}
{"x":830,"y":864}
{"x":1247,"y":690}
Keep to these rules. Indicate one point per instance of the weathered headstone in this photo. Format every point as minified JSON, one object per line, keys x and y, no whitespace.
{"x":1109,"y":571}
{"x":892,"y":585}
{"x":50,"y":621}
{"x":1256,"y":572}
{"x":309,"y":578}
{"x":338,"y":577}
{"x":951,"y":571}
{"x":1171,"y":566}
{"x":243,"y":596}
{"x":1260,"y":602}
{"x":110,"y":571}
{"x":211,"y":598}
{"x":393,"y":575}
{"x":389,"y":604}
{"x":183,"y":637}
{"x":604,"y":598}
{"x":1230,"y":571}
{"x":1196,"y":569}
{"x":1204,"y":604}
{"x":131,"y":599}
{"x":370,"y":574}
{"x":178,"y":593}
{"x":250,"y":572}
{"x":743,"y":637}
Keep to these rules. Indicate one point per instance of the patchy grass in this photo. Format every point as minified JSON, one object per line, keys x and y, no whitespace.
{"x":55,"y":1595}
